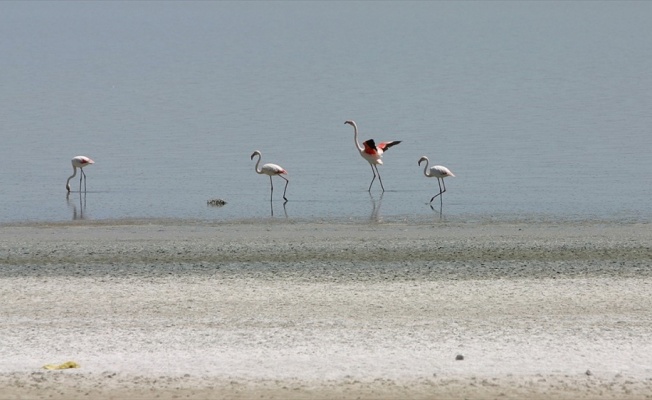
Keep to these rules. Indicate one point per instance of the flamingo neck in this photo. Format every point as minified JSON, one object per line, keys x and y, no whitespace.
{"x":355,"y":137}
{"x":258,"y":170}
{"x":425,"y":169}
{"x":74,"y":172}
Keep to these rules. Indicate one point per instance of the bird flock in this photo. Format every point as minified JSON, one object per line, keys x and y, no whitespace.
{"x":371,"y":151}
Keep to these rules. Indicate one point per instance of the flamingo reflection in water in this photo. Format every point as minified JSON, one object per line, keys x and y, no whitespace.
{"x":77,"y":214}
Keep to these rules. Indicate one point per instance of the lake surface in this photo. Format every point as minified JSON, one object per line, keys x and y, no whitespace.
{"x":542,"y":110}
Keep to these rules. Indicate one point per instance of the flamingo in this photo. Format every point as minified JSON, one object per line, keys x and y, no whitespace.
{"x":271,"y":170}
{"x":79,"y":162}
{"x":372,"y":152}
{"x":436,"y":171}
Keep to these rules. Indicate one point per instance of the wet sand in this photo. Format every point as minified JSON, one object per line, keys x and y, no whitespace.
{"x":178,"y":309}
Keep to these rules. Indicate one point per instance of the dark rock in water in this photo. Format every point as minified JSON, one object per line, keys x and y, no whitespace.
{"x":216,"y":202}
{"x":588,"y":372}
{"x":459,"y":357}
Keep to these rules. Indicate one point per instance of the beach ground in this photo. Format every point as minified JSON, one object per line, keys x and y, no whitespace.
{"x":280,"y":310}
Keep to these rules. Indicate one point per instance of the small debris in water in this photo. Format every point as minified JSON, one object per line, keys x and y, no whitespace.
{"x":588,"y":372}
{"x":216,"y":202}
{"x":459,"y":357}
{"x":66,"y":365}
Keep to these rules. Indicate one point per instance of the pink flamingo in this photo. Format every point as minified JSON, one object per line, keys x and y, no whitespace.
{"x":79,"y":162}
{"x":436,"y":171}
{"x":271,"y":170}
{"x":372,"y":152}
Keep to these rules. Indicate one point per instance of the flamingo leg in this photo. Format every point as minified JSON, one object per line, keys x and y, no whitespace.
{"x":81,"y":176}
{"x":439,"y":181}
{"x":372,"y":179}
{"x":271,"y":192}
{"x":381,"y":181}
{"x":286,"y":187}
{"x":441,"y":198}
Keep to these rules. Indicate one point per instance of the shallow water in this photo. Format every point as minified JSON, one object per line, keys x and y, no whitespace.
{"x":542,"y":110}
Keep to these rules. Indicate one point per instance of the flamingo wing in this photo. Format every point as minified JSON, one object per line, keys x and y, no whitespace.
{"x":370,"y":147}
{"x":440,"y":171}
{"x":273,"y":169}
{"x":81,"y":161}
{"x":384,"y":146}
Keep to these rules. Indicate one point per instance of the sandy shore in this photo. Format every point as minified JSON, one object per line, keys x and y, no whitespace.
{"x":166,"y":309}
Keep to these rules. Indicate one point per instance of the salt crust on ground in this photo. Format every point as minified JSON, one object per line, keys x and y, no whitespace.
{"x":325,"y":310}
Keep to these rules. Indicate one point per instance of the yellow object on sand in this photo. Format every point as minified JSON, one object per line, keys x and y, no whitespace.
{"x":66,"y":365}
